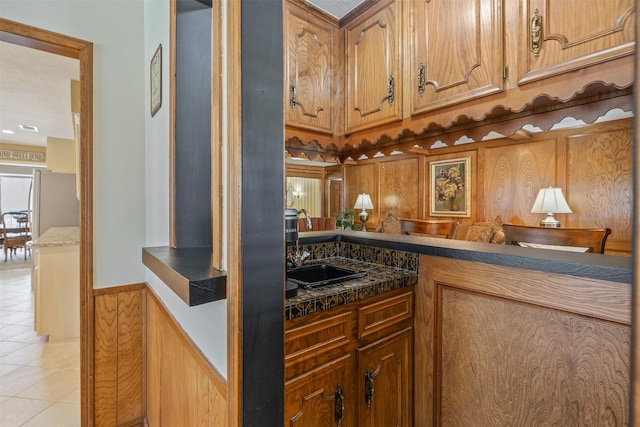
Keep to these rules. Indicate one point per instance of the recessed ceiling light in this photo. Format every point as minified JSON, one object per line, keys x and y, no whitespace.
{"x":8,"y":131}
{"x":29,"y":128}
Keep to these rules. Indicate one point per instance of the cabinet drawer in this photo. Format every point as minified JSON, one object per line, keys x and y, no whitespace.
{"x":384,"y":314}
{"x":317,"y":341}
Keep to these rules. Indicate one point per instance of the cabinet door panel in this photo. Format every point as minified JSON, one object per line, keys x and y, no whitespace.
{"x":309,"y":67}
{"x":457,"y":52}
{"x":564,"y":35}
{"x":310,"y":400}
{"x":373,"y":71}
{"x":384,"y":372}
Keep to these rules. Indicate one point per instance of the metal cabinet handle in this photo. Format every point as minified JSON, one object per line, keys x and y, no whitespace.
{"x":339,"y":405}
{"x":368,"y":388}
{"x":390,"y":89}
{"x":293,"y":96}
{"x":536,"y":33}
{"x":422,"y":81}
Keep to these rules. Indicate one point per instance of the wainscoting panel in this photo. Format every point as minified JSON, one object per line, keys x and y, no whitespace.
{"x":507,"y":346}
{"x":119,"y":358}
{"x":146,"y":368}
{"x":182,"y":388}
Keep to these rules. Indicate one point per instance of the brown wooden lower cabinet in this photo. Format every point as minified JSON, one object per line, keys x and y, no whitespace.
{"x":351,"y":366}
{"x":384,"y":380}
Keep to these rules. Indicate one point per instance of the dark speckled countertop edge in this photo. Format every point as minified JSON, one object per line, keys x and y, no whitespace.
{"x":591,"y":266}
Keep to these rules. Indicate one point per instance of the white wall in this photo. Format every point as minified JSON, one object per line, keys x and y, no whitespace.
{"x":131,"y":149}
{"x":115,"y":28}
{"x":206,"y":324}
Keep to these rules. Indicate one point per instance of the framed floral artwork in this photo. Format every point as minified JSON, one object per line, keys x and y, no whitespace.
{"x":451,"y":188}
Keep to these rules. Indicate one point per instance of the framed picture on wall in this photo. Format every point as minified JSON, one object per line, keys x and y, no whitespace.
{"x":450,"y":185}
{"x":155,"y":78}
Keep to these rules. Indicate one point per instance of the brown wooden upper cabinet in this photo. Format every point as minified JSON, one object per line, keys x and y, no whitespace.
{"x":374,"y":70}
{"x":560,"y":36}
{"x":457,"y":52}
{"x":309,"y":70}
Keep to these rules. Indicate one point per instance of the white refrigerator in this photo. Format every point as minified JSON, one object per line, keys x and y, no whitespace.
{"x":55,"y":203}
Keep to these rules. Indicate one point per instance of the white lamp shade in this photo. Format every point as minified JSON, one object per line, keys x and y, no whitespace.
{"x":363,"y":202}
{"x":551,"y":200}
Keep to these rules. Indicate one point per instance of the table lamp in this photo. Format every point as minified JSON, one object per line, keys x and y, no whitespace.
{"x":363,"y":202}
{"x":550,"y":200}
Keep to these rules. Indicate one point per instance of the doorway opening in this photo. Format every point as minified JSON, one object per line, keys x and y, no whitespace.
{"x":36,"y":38}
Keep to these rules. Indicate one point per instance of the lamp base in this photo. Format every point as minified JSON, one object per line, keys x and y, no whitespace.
{"x":550,"y":221}
{"x":364,"y":216}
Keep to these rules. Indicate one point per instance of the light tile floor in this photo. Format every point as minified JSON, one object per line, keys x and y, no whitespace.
{"x":39,"y":380}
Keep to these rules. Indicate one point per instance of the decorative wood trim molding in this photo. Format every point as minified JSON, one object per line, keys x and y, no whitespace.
{"x":233,"y":61}
{"x":635,"y":251}
{"x":117,"y":289}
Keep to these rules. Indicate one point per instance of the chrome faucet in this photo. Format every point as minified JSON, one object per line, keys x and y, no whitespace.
{"x":297,"y":259}
{"x":306,"y":215}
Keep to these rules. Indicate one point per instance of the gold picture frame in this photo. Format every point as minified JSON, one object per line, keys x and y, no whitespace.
{"x":155,"y":77}
{"x":451,"y":188}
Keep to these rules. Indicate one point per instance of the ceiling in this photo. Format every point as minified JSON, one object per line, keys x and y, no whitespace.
{"x":35,"y":90}
{"x":336,"y":8}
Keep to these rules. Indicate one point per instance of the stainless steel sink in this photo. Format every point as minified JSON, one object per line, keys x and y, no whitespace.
{"x":313,"y":276}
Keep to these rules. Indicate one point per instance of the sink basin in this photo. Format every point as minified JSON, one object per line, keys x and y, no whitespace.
{"x":313,"y":276}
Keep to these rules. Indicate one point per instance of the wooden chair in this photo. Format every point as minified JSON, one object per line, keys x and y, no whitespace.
{"x":15,"y":232}
{"x":592,"y":239}
{"x":431,"y":228}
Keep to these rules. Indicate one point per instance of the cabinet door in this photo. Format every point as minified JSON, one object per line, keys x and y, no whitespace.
{"x":322,"y":397}
{"x":374,"y":83}
{"x":456,"y":52}
{"x":309,"y":43}
{"x":384,"y":381}
{"x":564,"y":35}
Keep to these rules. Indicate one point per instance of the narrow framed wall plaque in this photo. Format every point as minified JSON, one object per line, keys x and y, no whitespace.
{"x":155,"y":77}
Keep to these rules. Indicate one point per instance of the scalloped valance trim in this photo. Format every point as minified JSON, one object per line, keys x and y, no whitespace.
{"x":543,"y":111}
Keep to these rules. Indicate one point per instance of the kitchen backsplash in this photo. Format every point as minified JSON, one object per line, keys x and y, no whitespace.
{"x":375,"y":255}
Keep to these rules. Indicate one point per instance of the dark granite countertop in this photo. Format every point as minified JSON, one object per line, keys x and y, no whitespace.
{"x":587,"y":265}
{"x":379,"y":279}
{"x":189,"y":271}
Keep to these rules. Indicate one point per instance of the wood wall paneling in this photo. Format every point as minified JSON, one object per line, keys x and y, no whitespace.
{"x":147,"y":368}
{"x":525,"y":347}
{"x":600,"y":188}
{"x":130,"y":350}
{"x":182,"y":387}
{"x":528,"y":366}
{"x":513,"y":176}
{"x":362,"y":179}
{"x":119,"y":356}
{"x":592,"y":164}
{"x":106,"y":360}
{"x":398,"y":192}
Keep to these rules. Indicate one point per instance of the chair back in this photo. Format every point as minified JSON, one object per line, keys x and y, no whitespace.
{"x":593,"y":239}
{"x":440,"y":229}
{"x":317,"y":224}
{"x":15,"y":224}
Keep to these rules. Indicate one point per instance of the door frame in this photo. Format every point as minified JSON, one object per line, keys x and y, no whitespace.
{"x":36,"y":38}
